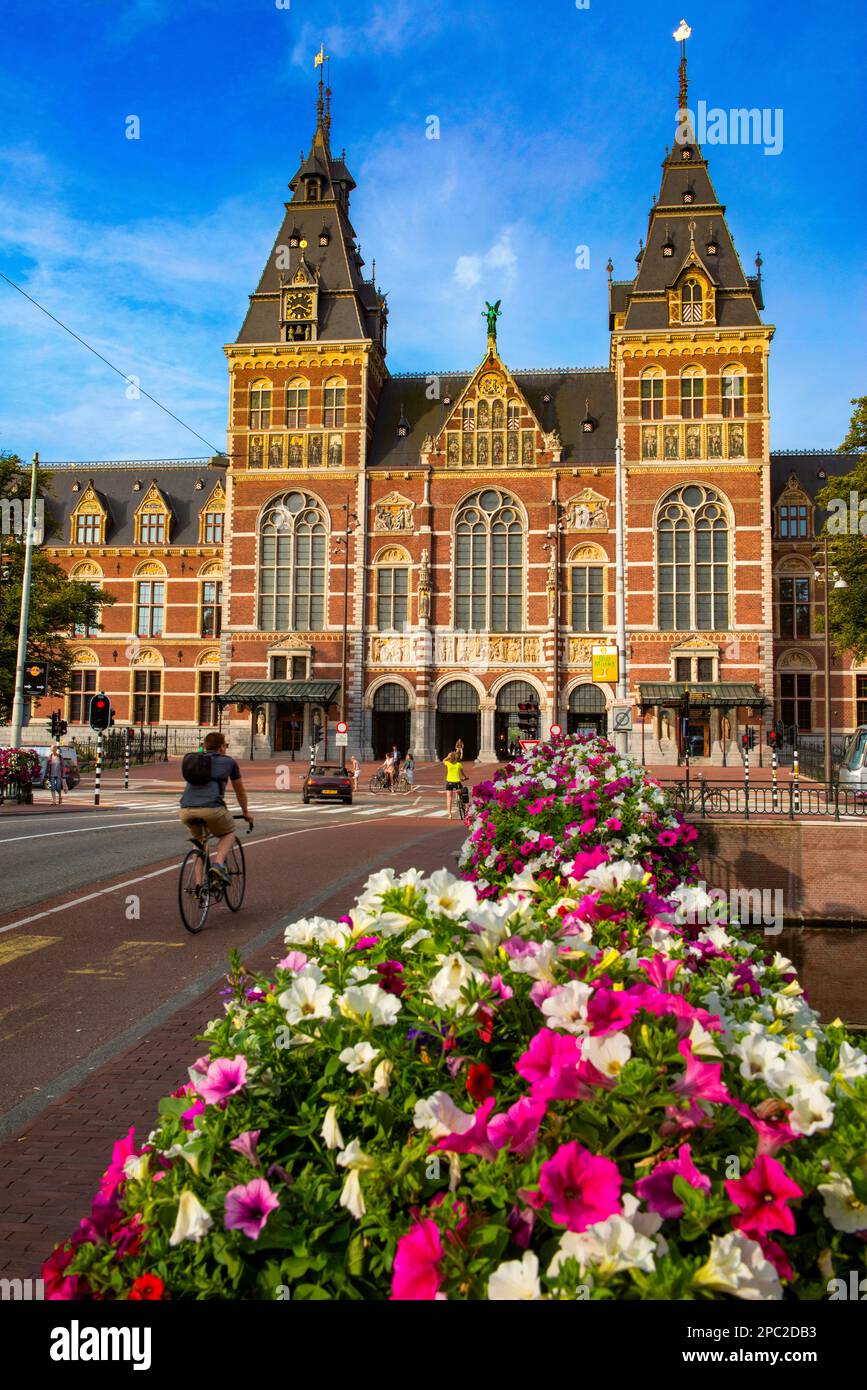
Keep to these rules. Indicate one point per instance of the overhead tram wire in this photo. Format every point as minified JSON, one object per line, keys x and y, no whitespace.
{"x":123,"y":375}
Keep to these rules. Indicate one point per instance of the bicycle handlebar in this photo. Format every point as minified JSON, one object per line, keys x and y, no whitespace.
{"x":247,"y":819}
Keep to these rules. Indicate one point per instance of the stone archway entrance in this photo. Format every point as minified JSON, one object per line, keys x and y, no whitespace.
{"x":390,"y":724}
{"x":587,"y":713}
{"x":517,"y":716}
{"x":458,"y":718}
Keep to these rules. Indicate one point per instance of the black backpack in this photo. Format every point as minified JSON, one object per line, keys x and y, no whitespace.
{"x":196,"y":768}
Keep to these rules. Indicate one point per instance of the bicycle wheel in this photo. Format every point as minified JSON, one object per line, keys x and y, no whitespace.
{"x":194,"y":899}
{"x":401,"y":786}
{"x":234,"y":889}
{"x":375,"y":783}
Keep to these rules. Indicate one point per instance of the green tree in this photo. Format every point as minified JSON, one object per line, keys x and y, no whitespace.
{"x":846,"y":529}
{"x":57,"y":604}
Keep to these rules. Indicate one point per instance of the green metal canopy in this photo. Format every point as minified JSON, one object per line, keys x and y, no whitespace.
{"x":707,"y":694}
{"x":293,"y":692}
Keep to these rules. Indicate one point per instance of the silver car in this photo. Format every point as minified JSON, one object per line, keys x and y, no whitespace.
{"x":853,"y":769}
{"x":71,"y":772}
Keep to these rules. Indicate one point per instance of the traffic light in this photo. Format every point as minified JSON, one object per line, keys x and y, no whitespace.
{"x":130,"y":733}
{"x":100,"y":713}
{"x":62,"y":726}
{"x":55,"y":723}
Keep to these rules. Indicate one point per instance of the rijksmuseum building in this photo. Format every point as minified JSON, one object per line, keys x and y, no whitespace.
{"x":480,"y":570}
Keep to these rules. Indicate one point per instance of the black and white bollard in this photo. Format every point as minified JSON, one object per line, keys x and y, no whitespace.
{"x":126,"y":766}
{"x":775,"y":795}
{"x":797,"y":787}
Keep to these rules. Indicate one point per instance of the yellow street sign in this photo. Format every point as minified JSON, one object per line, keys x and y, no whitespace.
{"x":604,"y":664}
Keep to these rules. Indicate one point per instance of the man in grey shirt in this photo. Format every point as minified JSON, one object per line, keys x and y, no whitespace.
{"x":207,"y":804}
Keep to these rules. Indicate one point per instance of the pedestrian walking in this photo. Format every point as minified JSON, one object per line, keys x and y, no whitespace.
{"x":459,"y":750}
{"x":54,"y":771}
{"x":454,"y":779}
{"x":355,"y":772}
{"x":409,"y":769}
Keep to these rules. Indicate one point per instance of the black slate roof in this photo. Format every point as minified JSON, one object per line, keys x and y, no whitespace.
{"x":113,"y":482}
{"x":570,"y":390}
{"x":807,"y":464}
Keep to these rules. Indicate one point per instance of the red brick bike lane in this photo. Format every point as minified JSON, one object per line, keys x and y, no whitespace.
{"x":135,"y":1012}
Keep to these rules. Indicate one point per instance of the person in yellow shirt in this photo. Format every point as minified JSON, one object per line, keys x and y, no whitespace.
{"x":454,"y":777}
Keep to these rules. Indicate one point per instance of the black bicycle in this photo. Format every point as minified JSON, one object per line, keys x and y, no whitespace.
{"x":199,"y":886}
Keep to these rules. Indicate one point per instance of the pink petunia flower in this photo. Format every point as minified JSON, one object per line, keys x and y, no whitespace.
{"x":762,"y":1197}
{"x":610,"y":1011}
{"x":518,"y":1127}
{"x":657,"y":1189}
{"x":701,"y":1080}
{"x":550,"y":1064}
{"x":246,"y":1144}
{"x":114,"y":1173}
{"x":248,"y":1206}
{"x":225,"y":1077}
{"x":416,"y":1272}
{"x":188,"y":1119}
{"x":294,"y":961}
{"x":581,"y":1188}
{"x":772,"y":1134}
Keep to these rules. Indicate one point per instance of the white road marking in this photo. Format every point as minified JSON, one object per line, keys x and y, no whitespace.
{"x":155,"y":873}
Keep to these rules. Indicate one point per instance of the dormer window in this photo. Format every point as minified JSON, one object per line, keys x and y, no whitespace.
{"x":588,"y":424}
{"x":686,"y":153}
{"x":712,"y":247}
{"x":402,"y":425}
{"x":324,"y":237}
{"x":688,"y":195}
{"x":312,"y":190}
{"x":668,"y":244}
{"x":294,"y":237}
{"x":691,"y":302}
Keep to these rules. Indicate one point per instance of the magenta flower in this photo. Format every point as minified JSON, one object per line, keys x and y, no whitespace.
{"x":248,"y":1206}
{"x":667,"y":838}
{"x":225,"y":1077}
{"x":762,"y":1197}
{"x":475,"y":1139}
{"x":657,"y":1189}
{"x":114,"y":1174}
{"x":188,"y":1119}
{"x":550,"y":1064}
{"x":580,"y":1187}
{"x":610,"y":1011}
{"x":246,"y":1144}
{"x":613,"y":823}
{"x":587,"y":860}
{"x":416,"y":1273}
{"x":772,"y":1134}
{"x":518,"y":1127}
{"x":701,"y":1080}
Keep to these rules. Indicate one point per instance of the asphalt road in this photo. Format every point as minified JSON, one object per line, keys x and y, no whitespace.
{"x":92,"y":949}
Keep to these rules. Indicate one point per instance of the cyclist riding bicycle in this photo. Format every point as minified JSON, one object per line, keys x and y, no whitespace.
{"x":203,"y":800}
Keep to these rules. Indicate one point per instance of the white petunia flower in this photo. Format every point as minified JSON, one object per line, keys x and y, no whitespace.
{"x":441,"y":1116}
{"x":516,"y":1280}
{"x":333,"y":934}
{"x":736,"y":1265}
{"x":566,"y":1008}
{"x":330,"y":1130}
{"x":359,"y":1058}
{"x":363,"y":1001}
{"x":701,"y":1041}
{"x":842,"y":1207}
{"x":851,"y":1063}
{"x":759,"y":1056}
{"x":351,"y":1195}
{"x":305,"y":999}
{"x":540,"y":965}
{"x":610,"y":1246}
{"x":608,"y":1054}
{"x":192,"y":1220}
{"x":447,"y":985}
{"x":382,"y":1077}
{"x":812,"y":1109}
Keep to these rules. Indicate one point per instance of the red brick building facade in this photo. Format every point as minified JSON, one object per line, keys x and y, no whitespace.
{"x":478,"y":509}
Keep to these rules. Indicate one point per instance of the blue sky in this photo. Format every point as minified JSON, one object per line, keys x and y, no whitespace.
{"x":553,"y":122}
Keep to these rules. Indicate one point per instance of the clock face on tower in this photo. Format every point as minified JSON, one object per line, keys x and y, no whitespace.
{"x":299,"y":305}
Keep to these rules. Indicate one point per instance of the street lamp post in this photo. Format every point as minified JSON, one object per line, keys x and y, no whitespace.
{"x":824,"y":577}
{"x":552,"y":547}
{"x":343,"y":541}
{"x":24,"y":621}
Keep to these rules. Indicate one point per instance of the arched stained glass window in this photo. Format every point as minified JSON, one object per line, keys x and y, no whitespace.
{"x":489,"y":563}
{"x":293,"y":538}
{"x":692,"y":533}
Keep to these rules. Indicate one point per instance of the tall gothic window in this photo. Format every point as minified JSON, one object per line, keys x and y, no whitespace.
{"x":392,"y":597}
{"x":293,"y":537}
{"x":794,"y":605}
{"x":692,"y":394}
{"x":334,"y":404}
{"x":297,"y":395}
{"x":652,"y":386}
{"x":489,"y":563}
{"x":692,"y":534}
{"x":260,"y":406}
{"x":733,"y":393}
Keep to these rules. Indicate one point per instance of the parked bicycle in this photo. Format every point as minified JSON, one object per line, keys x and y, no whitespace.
{"x":198,"y":887}
{"x":380,"y":783}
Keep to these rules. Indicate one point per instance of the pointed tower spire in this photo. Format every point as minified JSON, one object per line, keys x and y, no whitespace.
{"x":681,"y":34}
{"x":323,"y":120}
